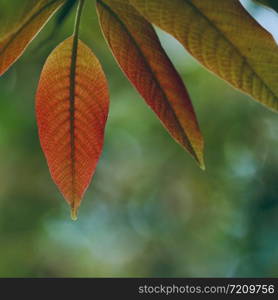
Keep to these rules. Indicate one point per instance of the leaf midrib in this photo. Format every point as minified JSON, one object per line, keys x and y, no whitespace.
{"x":72,"y":111}
{"x":74,"y":54}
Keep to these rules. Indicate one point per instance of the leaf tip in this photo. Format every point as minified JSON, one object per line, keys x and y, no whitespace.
{"x":199,"y":157}
{"x":74,"y":213}
{"x":202,"y":165}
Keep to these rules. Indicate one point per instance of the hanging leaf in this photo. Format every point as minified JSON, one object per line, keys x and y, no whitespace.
{"x":138,"y":51}
{"x":225,"y":39}
{"x":15,"y":39}
{"x":72,"y":107}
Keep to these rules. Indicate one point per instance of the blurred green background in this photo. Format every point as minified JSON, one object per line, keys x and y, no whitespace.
{"x":150,"y":211}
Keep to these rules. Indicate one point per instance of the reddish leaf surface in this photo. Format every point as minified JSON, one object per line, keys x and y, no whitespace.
{"x":138,"y":51}
{"x":72,"y":107}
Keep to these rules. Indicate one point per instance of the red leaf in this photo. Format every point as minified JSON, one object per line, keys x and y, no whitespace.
{"x":138,"y":51}
{"x":72,"y":107}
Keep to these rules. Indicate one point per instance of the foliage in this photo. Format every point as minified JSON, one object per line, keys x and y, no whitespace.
{"x":72,"y":97}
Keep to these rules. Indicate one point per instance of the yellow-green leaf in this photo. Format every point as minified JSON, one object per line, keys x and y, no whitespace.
{"x":225,"y":39}
{"x":15,"y":36}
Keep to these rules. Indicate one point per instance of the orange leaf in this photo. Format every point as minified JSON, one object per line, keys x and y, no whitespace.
{"x":72,"y":106}
{"x":138,"y":51}
{"x":13,"y":42}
